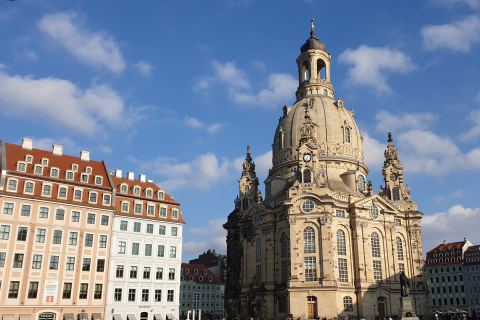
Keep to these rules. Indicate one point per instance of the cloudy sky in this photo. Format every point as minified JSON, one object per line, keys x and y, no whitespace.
{"x":177,"y":89}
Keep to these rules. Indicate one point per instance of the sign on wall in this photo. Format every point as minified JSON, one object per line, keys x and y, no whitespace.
{"x":50,"y":291}
{"x":47,"y":316}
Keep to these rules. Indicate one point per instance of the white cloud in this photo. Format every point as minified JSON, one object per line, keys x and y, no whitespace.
{"x":94,"y":48}
{"x":27,"y":55}
{"x":194,"y":123}
{"x":371,"y":65}
{"x":279,"y":86}
{"x":451,"y":3}
{"x":387,"y":122}
{"x":373,"y":150}
{"x":212,"y":237}
{"x":263,"y":163}
{"x":197,"y":124}
{"x":61,"y":102}
{"x":474,"y":132}
{"x":47,"y":143}
{"x":144,"y":68}
{"x":457,"y":36}
{"x":451,"y":225}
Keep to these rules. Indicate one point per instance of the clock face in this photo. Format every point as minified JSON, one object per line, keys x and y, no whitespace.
{"x":394,"y":177}
{"x":307,"y":157}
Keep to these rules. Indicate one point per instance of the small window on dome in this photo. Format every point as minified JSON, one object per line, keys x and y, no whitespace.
{"x":361,"y":183}
{"x":347,"y":137}
{"x":307,"y":176}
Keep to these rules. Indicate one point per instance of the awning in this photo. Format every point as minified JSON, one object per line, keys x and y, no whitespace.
{"x":7,"y":317}
{"x":83,"y":316}
{"x":157,"y":317}
{"x":131,"y":317}
{"x":25,"y":317}
{"x":68,"y":316}
{"x":170,"y":316}
{"x":96,"y":316}
{"x":117,"y":316}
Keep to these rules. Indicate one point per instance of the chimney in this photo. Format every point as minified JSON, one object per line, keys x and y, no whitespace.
{"x":85,"y":155}
{"x":118,"y":173}
{"x":131,"y":176}
{"x":57,"y":149}
{"x":142,"y":178}
{"x":150,"y":181}
{"x":27,"y":143}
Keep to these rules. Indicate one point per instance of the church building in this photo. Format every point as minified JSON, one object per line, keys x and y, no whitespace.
{"x":321,"y":243}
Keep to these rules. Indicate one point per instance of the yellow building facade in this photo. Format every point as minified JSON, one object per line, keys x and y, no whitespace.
{"x":321,"y":243}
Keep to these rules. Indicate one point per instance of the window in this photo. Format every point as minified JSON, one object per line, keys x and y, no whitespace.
{"x":136,"y":191}
{"x":37,"y":261}
{"x":67,"y":290}
{"x":174,"y":214}
{"x":341,"y":243}
{"x":54,"y":172}
{"x":148,"y":250}
{"x":308,"y":240}
{"x":375,"y":245}
{"x":88,"y":240}
{"x":342,"y":270}
{"x":399,"y":248}
{"x":97,"y":294}
{"x":86,"y":264}
{"x":100,"y":265}
{"x":135,"y":248}
{"x":133,"y":272}
{"x":84,"y":177}
{"x":54,"y":262}
{"x":3,"y":257}
{"x":347,"y":304}
{"x":12,"y":185}
{"x":131,"y":294}
{"x":284,"y":244}
{"x":308,"y":206}
{"x":146,"y":273}
{"x":396,"y":194}
{"x":124,"y":206}
{"x":22,"y":167}
{"x":13,"y":289}
{"x":72,"y":238}
{"x":161,"y":195}
{"x":361,"y":183}
{"x":123,"y":188}
{"x":18,"y":260}
{"x":92,"y":197}
{"x":70,"y":265}
{"x":38,"y":169}
{"x":22,"y":233}
{"x":88,"y":170}
{"x":8,"y":208}
{"x":69,"y":175}
{"x":340,"y":213}
{"x":60,"y":214}
{"x":57,"y":237}
{"x":171,"y":274}
{"x":163,"y":212}
{"x":75,"y":216}
{"x":159,"y":274}
{"x":83,"y":291}
{"x":124,"y":225}
{"x":374,"y":211}
{"x":91,"y":218}
{"x":174,"y":231}
{"x":144,"y":295}
{"x":4,"y":232}
{"x":47,"y":190}
{"x":104,"y":220}
{"x":161,"y":230}
{"x":98,"y":180}
{"x":173,"y":252}
{"x":160,"y":250}
{"x":106,"y":199}
{"x":44,"y":161}
{"x":377,"y":269}
{"x":102,"y":242}
{"x":29,"y":187}
{"x":307,"y":176}
{"x":170,"y":295}
{"x":25,"y":210}
{"x":151,"y":210}
{"x":398,"y":222}
{"x":136,"y":226}
{"x":258,"y":250}
{"x":150,"y":228}
{"x":138,"y":208}
{"x":310,"y":268}
{"x":158,"y":295}
{"x":149,"y":193}
{"x":122,"y":247}
{"x":347,"y":137}
{"x":77,"y":194}
{"x":119,"y":272}
{"x":40,"y":237}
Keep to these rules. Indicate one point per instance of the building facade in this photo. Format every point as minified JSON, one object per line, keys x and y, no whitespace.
{"x":322,"y":243}
{"x":215,"y":262}
{"x":201,"y":290}
{"x":472,"y":280}
{"x":55,"y":233}
{"x":145,"y":259}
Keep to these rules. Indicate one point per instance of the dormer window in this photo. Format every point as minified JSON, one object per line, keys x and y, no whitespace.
{"x":38,"y":169}
{"x":161,"y":195}
{"x":88,"y":170}
{"x":174,"y":214}
{"x":136,"y":191}
{"x":149,"y":193}
{"x":98,"y":180}
{"x":54,"y":172}
{"x":69,"y":175}
{"x":124,"y":188}
{"x":45,"y":162}
{"x":84,"y":177}
{"x":75,"y":167}
{"x":28,"y":158}
{"x":21,"y":166}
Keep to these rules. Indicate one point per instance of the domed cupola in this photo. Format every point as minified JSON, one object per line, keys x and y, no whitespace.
{"x":312,"y":42}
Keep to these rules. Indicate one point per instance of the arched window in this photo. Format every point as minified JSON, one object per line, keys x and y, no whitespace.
{"x":123,"y":188}
{"x":347,"y":137}
{"x":375,"y":245}
{"x":399,"y":248}
{"x":309,"y":240}
{"x":321,"y":70}
{"x":347,"y":303}
{"x":374,"y":211}
{"x":307,"y":176}
{"x":284,"y":244}
{"x":361,"y":183}
{"x":341,"y":243}
{"x":258,"y":250}
{"x":136,"y":191}
{"x":396,"y":194}
{"x":307,"y":72}
{"x":377,"y":261}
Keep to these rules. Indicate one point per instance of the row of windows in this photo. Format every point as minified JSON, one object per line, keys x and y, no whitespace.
{"x":437,"y":279}
{"x":41,"y":235}
{"x":66,"y":293}
{"x":145,"y":295}
{"x":38,"y":169}
{"x":445,"y":302}
{"x":136,"y":190}
{"x":148,"y":250}
{"x":151,"y":211}
{"x":62,"y":193}
{"x":447,"y":269}
{"x":37,"y":260}
{"x":133,"y":274}
{"x":137,"y":227}
{"x":191,"y":278}
{"x":450,"y":289}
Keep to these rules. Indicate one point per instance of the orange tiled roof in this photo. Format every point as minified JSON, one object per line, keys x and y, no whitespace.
{"x":446,"y":254}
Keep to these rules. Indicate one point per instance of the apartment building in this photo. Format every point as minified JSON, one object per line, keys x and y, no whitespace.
{"x":144,"y":267}
{"x":55,"y":232}
{"x":472,"y":280}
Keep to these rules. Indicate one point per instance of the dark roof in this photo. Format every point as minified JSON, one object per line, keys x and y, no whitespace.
{"x":312,"y":43}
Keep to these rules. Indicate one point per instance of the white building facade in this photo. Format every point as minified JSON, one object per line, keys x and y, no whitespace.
{"x":145,"y":261}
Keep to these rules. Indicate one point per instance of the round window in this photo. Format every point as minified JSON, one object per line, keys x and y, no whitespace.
{"x":308,"y":206}
{"x":374,"y":211}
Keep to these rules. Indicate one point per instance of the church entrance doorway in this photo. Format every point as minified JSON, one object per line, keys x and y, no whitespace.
{"x":381,"y":307}
{"x":312,"y":307}
{"x":144,"y":316}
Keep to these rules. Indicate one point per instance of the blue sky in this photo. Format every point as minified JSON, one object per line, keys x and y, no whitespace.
{"x":177,"y":89}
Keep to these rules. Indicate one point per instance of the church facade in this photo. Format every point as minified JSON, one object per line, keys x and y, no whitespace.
{"x":321,"y":243}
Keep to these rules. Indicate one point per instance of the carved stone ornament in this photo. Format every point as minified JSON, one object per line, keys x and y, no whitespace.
{"x":248,"y":230}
